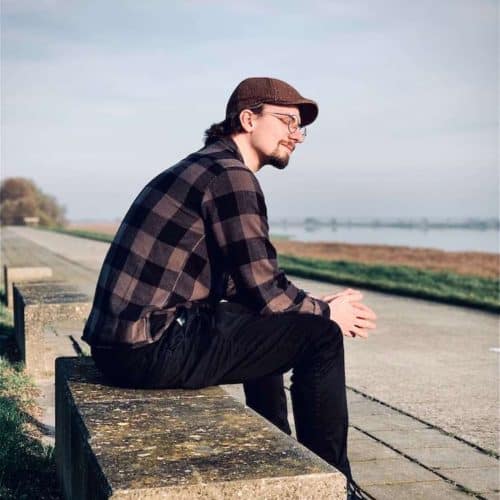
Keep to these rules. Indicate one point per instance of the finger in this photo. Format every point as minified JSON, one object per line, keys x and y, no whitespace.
{"x":347,"y":297}
{"x":364,"y":311}
{"x":359,"y":332}
{"x":329,"y":298}
{"x":362,"y":306}
{"x":346,"y":332}
{"x":364,"y":316}
{"x":367,"y":325}
{"x":347,"y":291}
{"x":354,"y":297}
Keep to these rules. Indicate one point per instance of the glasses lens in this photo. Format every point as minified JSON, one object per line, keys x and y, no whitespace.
{"x":293,"y":124}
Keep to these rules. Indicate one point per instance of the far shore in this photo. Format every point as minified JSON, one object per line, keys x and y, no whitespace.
{"x":486,"y":265}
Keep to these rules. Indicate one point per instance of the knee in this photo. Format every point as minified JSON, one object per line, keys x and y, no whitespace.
{"x":333,"y":340}
{"x":328,"y":332}
{"x":324,"y":336}
{"x":324,"y":350}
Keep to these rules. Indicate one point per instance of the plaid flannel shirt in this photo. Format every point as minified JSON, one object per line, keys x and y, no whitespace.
{"x":198,"y":232}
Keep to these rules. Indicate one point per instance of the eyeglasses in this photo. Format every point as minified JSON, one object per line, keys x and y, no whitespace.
{"x":292,"y":122}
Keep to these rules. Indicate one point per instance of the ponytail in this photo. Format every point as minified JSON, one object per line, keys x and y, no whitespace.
{"x":231,"y":125}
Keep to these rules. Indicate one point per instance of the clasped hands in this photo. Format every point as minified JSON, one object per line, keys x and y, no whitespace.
{"x":354,"y":318}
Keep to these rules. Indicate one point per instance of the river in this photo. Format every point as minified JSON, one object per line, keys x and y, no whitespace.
{"x":450,"y":239}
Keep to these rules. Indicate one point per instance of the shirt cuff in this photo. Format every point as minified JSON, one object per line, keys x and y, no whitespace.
{"x":324,"y":308}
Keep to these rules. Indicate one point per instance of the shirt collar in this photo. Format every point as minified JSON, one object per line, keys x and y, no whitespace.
{"x":230,"y":145}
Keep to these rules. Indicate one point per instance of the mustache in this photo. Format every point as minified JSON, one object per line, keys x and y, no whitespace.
{"x":289,"y":145}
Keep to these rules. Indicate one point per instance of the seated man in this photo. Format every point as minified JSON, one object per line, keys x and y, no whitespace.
{"x":190,"y":293}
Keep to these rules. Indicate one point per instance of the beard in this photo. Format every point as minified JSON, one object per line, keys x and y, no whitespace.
{"x":277,"y":159}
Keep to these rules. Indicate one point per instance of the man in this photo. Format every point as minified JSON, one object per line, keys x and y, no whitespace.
{"x":190,"y":293}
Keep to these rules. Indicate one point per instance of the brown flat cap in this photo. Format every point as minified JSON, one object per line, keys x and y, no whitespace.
{"x":262,"y":90}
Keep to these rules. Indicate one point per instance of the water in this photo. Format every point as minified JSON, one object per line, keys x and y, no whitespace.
{"x":450,"y":239}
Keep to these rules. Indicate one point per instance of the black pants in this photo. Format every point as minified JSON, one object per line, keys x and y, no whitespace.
{"x":232,"y":345}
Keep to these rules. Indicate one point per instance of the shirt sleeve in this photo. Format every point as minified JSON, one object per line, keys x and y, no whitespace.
{"x":234,"y":208}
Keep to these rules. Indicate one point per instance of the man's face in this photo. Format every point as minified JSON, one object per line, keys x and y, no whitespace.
{"x":271,"y":137}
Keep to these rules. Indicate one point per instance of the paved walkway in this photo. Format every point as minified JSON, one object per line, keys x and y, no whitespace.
{"x":423,"y":390}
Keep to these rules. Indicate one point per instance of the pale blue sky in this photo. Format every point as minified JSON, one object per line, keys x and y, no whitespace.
{"x":100,"y":96}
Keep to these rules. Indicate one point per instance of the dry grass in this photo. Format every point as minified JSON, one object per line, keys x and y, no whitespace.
{"x":108,"y":228}
{"x":486,"y":265}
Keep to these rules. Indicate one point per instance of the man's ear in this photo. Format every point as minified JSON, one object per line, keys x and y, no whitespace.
{"x":247,"y":120}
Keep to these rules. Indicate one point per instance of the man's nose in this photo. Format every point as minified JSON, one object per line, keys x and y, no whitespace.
{"x":297,"y":136}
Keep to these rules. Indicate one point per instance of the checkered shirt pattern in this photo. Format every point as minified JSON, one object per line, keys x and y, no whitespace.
{"x":197,"y":233}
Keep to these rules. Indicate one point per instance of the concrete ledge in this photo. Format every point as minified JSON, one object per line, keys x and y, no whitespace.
{"x":176,"y":444}
{"x":18,"y":274}
{"x":37,"y":306}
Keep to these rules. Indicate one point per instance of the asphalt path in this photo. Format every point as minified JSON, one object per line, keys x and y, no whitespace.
{"x":436,"y":362}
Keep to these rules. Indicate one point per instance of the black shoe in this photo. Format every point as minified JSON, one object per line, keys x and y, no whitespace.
{"x":354,"y":492}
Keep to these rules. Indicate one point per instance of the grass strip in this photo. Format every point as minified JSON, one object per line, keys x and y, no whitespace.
{"x":446,"y":287}
{"x":451,"y":288}
{"x":108,"y":238}
{"x":27,"y":467}
{"x":80,"y":233}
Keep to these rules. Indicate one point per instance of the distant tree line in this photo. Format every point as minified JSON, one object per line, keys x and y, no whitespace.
{"x":312,"y":223}
{"x":21,"y":198}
